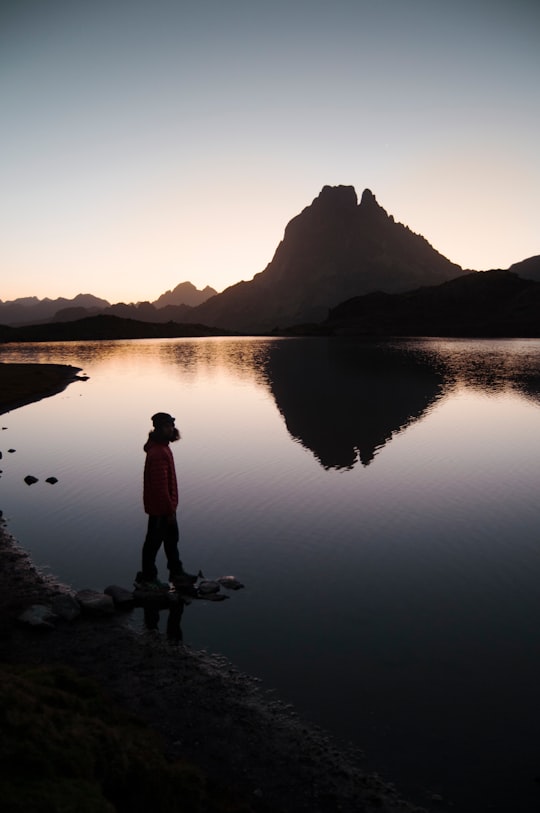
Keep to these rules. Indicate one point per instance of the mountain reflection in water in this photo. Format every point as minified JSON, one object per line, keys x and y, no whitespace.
{"x":344,"y":401}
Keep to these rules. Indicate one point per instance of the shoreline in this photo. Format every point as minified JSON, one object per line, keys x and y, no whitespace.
{"x":205,"y":711}
{"x":45,"y":380}
{"x":203,"y":708}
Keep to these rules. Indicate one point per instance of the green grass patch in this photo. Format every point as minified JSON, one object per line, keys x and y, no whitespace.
{"x":66,"y":748}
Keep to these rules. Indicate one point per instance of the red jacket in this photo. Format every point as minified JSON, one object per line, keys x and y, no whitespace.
{"x":160,"y":493}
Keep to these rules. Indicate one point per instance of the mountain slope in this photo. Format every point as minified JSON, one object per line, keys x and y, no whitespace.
{"x":333,"y":250}
{"x":528,"y":269}
{"x":104,"y":327}
{"x":482,"y":303}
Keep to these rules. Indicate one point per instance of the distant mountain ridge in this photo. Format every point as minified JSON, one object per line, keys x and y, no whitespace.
{"x":31,"y":309}
{"x":485,"y":304}
{"x":168,"y":307}
{"x":335,"y":251}
{"x":184,"y":294}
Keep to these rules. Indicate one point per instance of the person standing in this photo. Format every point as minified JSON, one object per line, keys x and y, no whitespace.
{"x":160,"y":498}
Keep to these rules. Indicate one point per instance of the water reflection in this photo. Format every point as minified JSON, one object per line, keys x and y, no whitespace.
{"x":89,"y":352}
{"x":173,"y":610}
{"x":491,"y":366}
{"x":242,"y":358}
{"x":345,"y":401}
{"x":341,"y":399}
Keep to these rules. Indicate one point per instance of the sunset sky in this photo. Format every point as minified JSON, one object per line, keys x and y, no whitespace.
{"x":149,"y":142}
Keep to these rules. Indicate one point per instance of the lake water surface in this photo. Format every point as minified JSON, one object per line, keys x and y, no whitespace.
{"x":379,"y":501}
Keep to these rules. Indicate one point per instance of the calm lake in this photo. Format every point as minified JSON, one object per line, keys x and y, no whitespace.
{"x":379,"y":501}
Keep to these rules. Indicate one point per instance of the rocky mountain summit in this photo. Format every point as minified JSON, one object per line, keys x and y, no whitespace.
{"x":334,"y":249}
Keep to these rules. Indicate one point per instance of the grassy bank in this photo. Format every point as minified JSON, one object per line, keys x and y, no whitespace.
{"x":67,"y":747}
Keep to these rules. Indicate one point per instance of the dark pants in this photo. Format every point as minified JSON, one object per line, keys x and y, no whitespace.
{"x":161,"y":530}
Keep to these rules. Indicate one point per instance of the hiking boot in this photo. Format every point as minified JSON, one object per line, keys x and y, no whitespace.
{"x":183,"y":579}
{"x":150,"y":585}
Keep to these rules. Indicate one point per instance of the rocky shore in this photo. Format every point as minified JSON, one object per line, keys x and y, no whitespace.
{"x":206,"y":713}
{"x":22,"y":384}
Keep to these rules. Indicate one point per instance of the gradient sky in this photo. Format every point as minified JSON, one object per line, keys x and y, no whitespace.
{"x":149,"y":142}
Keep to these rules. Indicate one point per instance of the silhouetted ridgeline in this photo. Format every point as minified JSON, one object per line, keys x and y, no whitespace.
{"x":104,"y":327}
{"x":30,"y":309}
{"x":483,"y":303}
{"x":169,"y":307}
{"x":335,"y":249}
{"x":528,"y":269}
{"x":376,"y":276}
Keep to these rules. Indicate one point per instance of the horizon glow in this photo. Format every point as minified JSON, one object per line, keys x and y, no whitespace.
{"x":146,"y":144}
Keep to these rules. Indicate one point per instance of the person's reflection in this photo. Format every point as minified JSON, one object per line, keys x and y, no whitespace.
{"x":174,"y":609}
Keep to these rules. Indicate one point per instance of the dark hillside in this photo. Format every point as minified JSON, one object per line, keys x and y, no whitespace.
{"x":103,"y":327}
{"x":528,"y":269}
{"x":483,"y":303}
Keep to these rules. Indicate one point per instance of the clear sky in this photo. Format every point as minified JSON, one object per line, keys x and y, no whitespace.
{"x":149,"y":142}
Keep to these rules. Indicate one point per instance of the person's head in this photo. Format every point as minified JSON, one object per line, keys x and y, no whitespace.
{"x":164,"y":427}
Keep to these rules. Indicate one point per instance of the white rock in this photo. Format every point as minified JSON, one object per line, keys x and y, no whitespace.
{"x":38,"y":615}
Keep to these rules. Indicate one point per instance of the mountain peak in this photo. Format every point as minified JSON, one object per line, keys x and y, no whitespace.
{"x":185,"y":293}
{"x":337,"y":196}
{"x":368,"y":198}
{"x":333,"y":250}
{"x":343,"y":199}
{"x":371,"y":209}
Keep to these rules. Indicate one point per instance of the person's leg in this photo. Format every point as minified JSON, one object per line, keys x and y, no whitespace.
{"x":170,"y":543}
{"x":152,"y":544}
